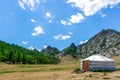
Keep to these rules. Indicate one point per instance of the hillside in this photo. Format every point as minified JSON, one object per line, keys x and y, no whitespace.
{"x":71,"y":50}
{"x":51,"y":51}
{"x":14,"y":54}
{"x":106,"y":42}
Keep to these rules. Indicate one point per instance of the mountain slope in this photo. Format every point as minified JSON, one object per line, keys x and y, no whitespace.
{"x":51,"y":51}
{"x":71,"y":50}
{"x":106,"y":42}
{"x":13,"y":54}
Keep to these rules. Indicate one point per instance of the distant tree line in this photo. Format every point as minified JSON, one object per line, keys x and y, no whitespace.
{"x":14,"y":54}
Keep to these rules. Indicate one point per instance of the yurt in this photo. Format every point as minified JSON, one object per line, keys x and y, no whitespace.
{"x":98,"y":62}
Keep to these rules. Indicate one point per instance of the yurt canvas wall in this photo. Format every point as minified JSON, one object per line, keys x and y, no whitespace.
{"x":98,"y":62}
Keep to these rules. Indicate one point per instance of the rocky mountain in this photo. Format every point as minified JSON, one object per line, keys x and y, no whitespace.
{"x":106,"y":42}
{"x":51,"y":51}
{"x":70,"y":50}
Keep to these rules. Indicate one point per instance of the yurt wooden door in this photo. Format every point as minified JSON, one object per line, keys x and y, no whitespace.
{"x":85,"y":65}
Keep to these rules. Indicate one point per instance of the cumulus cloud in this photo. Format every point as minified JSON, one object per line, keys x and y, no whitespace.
{"x":24,"y":42}
{"x":76,"y":18}
{"x":21,"y":4}
{"x":82,"y":42}
{"x":73,"y":19}
{"x":28,"y":4}
{"x":91,"y":7}
{"x":62,"y":37}
{"x":37,"y":31}
{"x":88,"y":8}
{"x":33,"y":21}
{"x":63,"y":22}
{"x":49,"y":16}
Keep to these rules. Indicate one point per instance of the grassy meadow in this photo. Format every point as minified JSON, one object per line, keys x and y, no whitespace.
{"x":61,"y":71}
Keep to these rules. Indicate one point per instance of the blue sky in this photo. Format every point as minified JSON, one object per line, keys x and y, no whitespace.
{"x":58,"y":23}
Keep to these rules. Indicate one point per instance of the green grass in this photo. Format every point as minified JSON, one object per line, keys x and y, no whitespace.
{"x":13,"y":71}
{"x":10,"y":68}
{"x":90,"y":75}
{"x":31,"y":66}
{"x":117,"y":62}
{"x":32,"y":70}
{"x":76,"y":69}
{"x":3,"y":72}
{"x":104,"y":73}
{"x":58,"y":69}
{"x":63,"y":71}
{"x":118,"y":77}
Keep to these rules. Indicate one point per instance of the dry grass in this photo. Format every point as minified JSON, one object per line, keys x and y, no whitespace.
{"x":62,"y":71}
{"x":117,"y":59}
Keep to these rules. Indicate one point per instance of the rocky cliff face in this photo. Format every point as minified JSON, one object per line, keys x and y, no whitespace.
{"x":106,"y":42}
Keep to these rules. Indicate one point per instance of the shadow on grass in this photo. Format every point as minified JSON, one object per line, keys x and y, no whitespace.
{"x":118,"y":69}
{"x":79,"y":71}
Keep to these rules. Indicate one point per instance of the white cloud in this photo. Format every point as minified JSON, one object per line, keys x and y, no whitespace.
{"x":37,"y":31}
{"x":28,"y":4}
{"x":31,"y":48}
{"x":24,"y":42}
{"x":62,"y":37}
{"x":73,"y":19}
{"x":70,"y":33}
{"x":82,"y":42}
{"x":21,"y":4}
{"x":49,"y":16}
{"x":63,"y":22}
{"x":39,"y":49}
{"x":102,"y":15}
{"x":91,"y":7}
{"x":50,"y":21}
{"x":45,"y":46}
{"x":33,"y":21}
{"x":76,"y":18}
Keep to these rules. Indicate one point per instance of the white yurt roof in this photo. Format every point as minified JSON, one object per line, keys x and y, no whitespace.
{"x":98,"y":57}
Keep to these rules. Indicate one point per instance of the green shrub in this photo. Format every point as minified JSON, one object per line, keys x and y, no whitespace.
{"x":90,"y":75}
{"x":76,"y":69}
{"x":104,"y":74}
